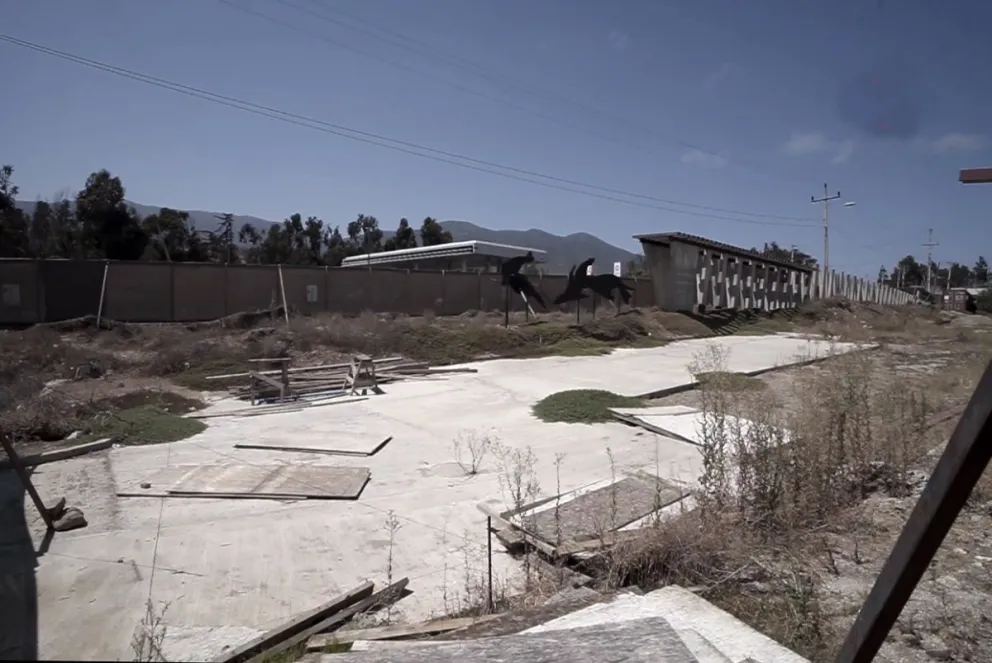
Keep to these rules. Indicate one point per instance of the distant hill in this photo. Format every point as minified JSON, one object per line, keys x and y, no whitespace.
{"x":562,"y":252}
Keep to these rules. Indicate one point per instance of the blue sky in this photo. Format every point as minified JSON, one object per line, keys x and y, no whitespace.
{"x":709,"y":103}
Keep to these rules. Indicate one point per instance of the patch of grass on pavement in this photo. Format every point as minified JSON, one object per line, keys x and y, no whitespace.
{"x":143,"y":425}
{"x":727,"y":381}
{"x":145,"y":418}
{"x":582,"y":406}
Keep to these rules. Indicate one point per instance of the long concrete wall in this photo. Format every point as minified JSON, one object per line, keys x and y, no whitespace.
{"x":686,"y":277}
{"x":49,"y":290}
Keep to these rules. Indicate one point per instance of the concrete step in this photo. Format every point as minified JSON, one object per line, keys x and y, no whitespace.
{"x":702,"y":649}
{"x":684,"y":611}
{"x":632,"y":641}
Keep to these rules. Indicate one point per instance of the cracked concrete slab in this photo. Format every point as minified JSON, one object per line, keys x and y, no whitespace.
{"x":253,"y":564}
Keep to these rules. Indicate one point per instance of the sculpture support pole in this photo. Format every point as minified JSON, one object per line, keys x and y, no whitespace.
{"x":506,"y":306}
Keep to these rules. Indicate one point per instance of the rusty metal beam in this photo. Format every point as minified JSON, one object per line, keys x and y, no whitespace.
{"x":975,"y":176}
{"x":960,"y":466}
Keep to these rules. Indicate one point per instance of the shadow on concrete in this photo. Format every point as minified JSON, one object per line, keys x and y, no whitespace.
{"x":724,"y":322}
{"x":18,"y":585}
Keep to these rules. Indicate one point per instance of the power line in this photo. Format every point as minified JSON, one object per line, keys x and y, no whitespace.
{"x":488,"y":74}
{"x":397,"y":145}
{"x":551,"y":118}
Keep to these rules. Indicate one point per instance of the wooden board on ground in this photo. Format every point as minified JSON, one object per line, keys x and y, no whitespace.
{"x":296,"y":625}
{"x":360,"y":449}
{"x":384,"y":597}
{"x":591,"y":514}
{"x":396,"y":632}
{"x":33,"y":460}
{"x":308,"y":481}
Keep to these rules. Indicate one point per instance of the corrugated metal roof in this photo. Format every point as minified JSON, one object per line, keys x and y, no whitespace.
{"x":665,"y":239}
{"x":449,"y":250}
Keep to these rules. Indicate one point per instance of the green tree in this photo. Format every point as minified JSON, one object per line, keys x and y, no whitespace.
{"x":433,"y":233}
{"x":908,"y":272}
{"x":794,"y":256}
{"x":13,"y":223}
{"x":222,"y":239}
{"x":315,"y":240}
{"x":171,"y":236}
{"x":337,"y":248}
{"x":110,"y":229}
{"x":65,"y":231}
{"x":364,"y":235}
{"x":883,"y":274}
{"x":958,"y":275}
{"x":981,"y":271}
{"x":405,"y":238}
{"x":40,"y":236}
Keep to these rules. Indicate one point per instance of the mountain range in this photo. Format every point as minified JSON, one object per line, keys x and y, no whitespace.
{"x":562,"y":251}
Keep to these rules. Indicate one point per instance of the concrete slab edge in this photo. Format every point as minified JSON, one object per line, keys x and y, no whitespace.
{"x":689,"y":386}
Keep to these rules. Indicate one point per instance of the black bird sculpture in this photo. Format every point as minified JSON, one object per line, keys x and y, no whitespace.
{"x":518,"y":283}
{"x":604,"y":285}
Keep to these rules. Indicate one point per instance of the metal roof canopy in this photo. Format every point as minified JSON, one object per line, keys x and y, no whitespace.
{"x":665,"y":239}
{"x":449,"y":250}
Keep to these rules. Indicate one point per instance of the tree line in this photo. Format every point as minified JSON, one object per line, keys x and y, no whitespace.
{"x":909,"y":272}
{"x":97,"y":223}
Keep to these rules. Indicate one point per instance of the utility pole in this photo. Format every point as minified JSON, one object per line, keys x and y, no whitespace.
{"x":826,"y":232}
{"x":930,"y":244}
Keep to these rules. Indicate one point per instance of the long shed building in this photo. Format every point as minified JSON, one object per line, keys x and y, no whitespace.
{"x":691,"y":273}
{"x":470,"y":256}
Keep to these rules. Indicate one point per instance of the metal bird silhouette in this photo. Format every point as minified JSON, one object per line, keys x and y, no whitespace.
{"x":517,"y":282}
{"x":603,"y":285}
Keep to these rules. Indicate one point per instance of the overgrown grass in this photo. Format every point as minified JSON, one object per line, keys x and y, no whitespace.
{"x":853,"y":428}
{"x":145,"y":424}
{"x":143,"y":417}
{"x":582,"y":406}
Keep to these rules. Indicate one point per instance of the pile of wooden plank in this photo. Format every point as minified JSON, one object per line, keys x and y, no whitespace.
{"x":284,"y":381}
{"x":320,"y":629}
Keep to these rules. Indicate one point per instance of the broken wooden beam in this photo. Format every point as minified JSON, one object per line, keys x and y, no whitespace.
{"x":295,"y":626}
{"x":502,"y":523}
{"x":317,"y":450}
{"x":34,"y":460}
{"x":394,"y":632}
{"x":384,"y":597}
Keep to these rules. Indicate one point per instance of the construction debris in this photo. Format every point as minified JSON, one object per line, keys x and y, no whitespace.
{"x":322,"y":641}
{"x":318,"y":450}
{"x":323,"y":619}
{"x":57,"y":518}
{"x":360,"y":375}
{"x":60,"y":454}
{"x":270,"y":482}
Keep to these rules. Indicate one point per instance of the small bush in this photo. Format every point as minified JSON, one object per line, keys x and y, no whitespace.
{"x":582,"y":406}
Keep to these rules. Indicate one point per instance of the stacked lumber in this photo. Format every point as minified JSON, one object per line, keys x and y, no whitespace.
{"x":325,"y":378}
{"x":321,"y":628}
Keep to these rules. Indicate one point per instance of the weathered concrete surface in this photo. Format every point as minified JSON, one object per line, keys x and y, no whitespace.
{"x":684,"y":611}
{"x":632,"y":641}
{"x":253,"y":564}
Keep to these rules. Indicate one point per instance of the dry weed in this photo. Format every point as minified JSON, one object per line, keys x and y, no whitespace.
{"x":471,"y":450}
{"x":149,"y":635}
